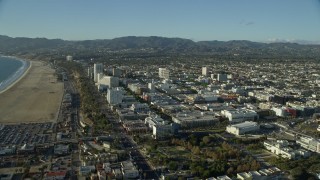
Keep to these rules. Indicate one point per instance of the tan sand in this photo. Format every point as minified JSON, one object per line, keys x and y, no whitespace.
{"x":36,"y":97}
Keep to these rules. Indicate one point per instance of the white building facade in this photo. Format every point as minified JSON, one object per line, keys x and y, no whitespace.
{"x":97,"y":68}
{"x":205,"y":71}
{"x":164,"y":73}
{"x":242,"y":128}
{"x":109,"y":82}
{"x":240,"y":115}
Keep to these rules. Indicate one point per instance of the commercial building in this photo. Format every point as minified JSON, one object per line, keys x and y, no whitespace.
{"x":205,"y":71}
{"x":55,"y":175}
{"x":60,"y":149}
{"x":69,"y":58}
{"x":135,"y":127}
{"x":26,"y":149}
{"x":129,"y":171}
{"x":160,"y":127}
{"x":90,"y":72}
{"x":85,"y":170}
{"x":164,"y":73}
{"x":161,"y":131}
{"x":309,"y":143}
{"x":281,"y":148}
{"x":140,"y":107}
{"x":151,"y":87}
{"x":240,"y":115}
{"x":242,"y":128}
{"x":138,"y":88}
{"x":280,"y":111}
{"x":192,"y":119}
{"x":116,"y":72}
{"x":97,"y":68}
{"x":222,"y":77}
{"x":107,"y":82}
{"x":8,"y":150}
{"x":115,"y":95}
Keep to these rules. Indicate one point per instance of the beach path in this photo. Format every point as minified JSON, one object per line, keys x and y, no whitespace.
{"x":35,"y":98}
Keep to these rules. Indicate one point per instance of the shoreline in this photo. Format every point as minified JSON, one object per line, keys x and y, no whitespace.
{"x":18,"y":75}
{"x":34,"y":98}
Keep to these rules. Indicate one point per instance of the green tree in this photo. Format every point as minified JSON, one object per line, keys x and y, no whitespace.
{"x":173,"y":165}
{"x":206,"y":140}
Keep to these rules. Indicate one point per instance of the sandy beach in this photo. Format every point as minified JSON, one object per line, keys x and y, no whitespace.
{"x":36,"y":97}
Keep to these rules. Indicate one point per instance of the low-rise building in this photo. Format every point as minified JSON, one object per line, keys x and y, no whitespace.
{"x":107,"y":168}
{"x":26,"y":149}
{"x":8,"y":150}
{"x":55,"y":175}
{"x":138,"y":88}
{"x":60,"y":149}
{"x":133,"y":127}
{"x":244,"y":176}
{"x":242,"y":128}
{"x":192,"y":119}
{"x":129,"y":171}
{"x":160,"y":131}
{"x":140,"y":107}
{"x":85,"y":170}
{"x":281,"y":148}
{"x":164,"y":73}
{"x":240,"y":115}
{"x":309,"y":143}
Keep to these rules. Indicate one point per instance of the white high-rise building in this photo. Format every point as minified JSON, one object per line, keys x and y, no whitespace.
{"x":115,"y":95}
{"x":69,"y":58}
{"x":164,"y":73}
{"x":109,"y":81}
{"x":99,"y":77}
{"x":90,"y":72}
{"x":151,"y":87}
{"x":97,"y":68}
{"x":205,"y":71}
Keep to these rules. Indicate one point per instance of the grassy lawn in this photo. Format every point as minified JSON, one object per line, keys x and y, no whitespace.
{"x":175,"y":151}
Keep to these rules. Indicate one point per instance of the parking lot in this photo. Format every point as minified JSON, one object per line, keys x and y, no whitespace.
{"x":19,"y":134}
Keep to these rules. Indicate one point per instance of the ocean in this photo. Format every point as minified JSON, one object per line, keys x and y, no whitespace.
{"x":10,"y":70}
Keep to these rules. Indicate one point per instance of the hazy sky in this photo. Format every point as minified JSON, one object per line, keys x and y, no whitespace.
{"x":256,"y":20}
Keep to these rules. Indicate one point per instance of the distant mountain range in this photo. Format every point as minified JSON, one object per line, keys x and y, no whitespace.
{"x":153,"y":44}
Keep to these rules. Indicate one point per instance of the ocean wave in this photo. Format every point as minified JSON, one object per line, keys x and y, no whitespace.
{"x":17,"y":74}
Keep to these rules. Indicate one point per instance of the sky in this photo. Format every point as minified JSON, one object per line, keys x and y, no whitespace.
{"x":198,"y":20}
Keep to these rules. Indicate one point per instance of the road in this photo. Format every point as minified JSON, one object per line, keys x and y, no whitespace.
{"x":128,"y":143}
{"x":132,"y":148}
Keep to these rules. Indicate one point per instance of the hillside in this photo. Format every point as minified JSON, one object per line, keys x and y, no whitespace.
{"x":153,"y":44}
